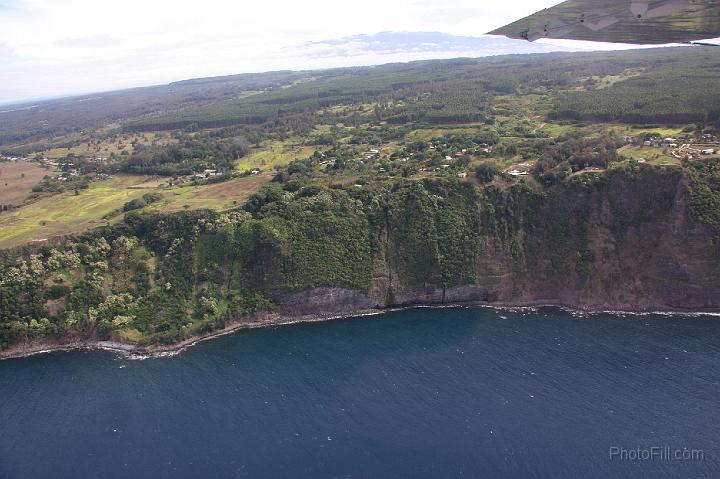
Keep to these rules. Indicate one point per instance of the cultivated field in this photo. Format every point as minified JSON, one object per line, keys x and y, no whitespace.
{"x":273,"y":154}
{"x":220,"y":196}
{"x":67,"y":213}
{"x":17,"y":179}
{"x":112,"y":145}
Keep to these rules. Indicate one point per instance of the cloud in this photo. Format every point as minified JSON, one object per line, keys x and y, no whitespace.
{"x":73,"y":46}
{"x":427,"y":44}
{"x":91,"y":41}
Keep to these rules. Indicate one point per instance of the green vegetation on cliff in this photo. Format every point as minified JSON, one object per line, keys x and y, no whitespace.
{"x":162,"y":278}
{"x":402,"y":183}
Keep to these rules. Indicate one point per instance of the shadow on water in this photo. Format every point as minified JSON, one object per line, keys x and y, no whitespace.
{"x":419,"y":393}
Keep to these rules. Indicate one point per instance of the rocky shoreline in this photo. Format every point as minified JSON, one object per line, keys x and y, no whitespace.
{"x":137,"y":352}
{"x":132,"y":351}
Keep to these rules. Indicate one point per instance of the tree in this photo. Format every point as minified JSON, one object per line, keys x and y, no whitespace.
{"x":486,"y":172}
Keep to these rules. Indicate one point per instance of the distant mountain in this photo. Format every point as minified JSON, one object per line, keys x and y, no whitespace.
{"x":424,"y":44}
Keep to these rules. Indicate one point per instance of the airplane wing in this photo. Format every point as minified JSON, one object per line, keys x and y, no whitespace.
{"x":643,"y":22}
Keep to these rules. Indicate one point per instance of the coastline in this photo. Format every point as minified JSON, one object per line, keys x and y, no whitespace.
{"x":270,"y":320}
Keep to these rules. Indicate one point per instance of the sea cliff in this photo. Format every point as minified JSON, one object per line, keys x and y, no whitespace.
{"x":635,"y":238}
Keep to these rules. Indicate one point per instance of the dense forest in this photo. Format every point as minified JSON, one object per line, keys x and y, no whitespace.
{"x":664,"y":87}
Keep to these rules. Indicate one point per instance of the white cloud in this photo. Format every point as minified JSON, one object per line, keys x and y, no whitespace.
{"x":54,"y":47}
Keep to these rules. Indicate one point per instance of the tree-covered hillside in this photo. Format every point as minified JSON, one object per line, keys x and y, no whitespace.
{"x":162,"y":278}
{"x":165,"y":213}
{"x":664,"y":86}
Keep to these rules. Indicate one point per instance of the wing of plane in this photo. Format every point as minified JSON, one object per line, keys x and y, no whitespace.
{"x":643,"y":22}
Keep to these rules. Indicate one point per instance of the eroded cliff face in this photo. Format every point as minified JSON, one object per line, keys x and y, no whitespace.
{"x":636,"y":238}
{"x":622,"y":242}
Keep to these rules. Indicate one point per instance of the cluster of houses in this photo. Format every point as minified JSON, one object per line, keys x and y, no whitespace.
{"x":206,"y":174}
{"x":213,"y":173}
{"x":449,"y":156}
{"x":482,"y":148}
{"x":68,"y":171}
{"x":662,"y":143}
{"x":687,"y":148}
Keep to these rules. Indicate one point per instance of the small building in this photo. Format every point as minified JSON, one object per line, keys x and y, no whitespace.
{"x":462,"y":175}
{"x":708,"y":152}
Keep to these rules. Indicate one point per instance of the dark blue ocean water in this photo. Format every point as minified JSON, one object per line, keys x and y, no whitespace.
{"x":417,"y":394}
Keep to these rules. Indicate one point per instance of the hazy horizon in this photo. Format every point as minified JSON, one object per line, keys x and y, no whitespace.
{"x":57,"y":48}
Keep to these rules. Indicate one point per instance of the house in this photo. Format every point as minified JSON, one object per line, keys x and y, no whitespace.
{"x":448,"y":158}
{"x":647,"y":143}
{"x":462,"y":175}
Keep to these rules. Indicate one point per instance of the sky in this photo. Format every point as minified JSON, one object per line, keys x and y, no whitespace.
{"x":60,"y":47}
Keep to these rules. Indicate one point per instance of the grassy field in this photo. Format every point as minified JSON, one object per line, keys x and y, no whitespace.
{"x":17,"y":179}
{"x":604,"y":82}
{"x":220,"y":196}
{"x":276,"y":153}
{"x":430,"y":133}
{"x":67,"y":213}
{"x":110,"y":145}
{"x":654,"y":156}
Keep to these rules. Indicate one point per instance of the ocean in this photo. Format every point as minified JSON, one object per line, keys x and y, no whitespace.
{"x":423,"y":393}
